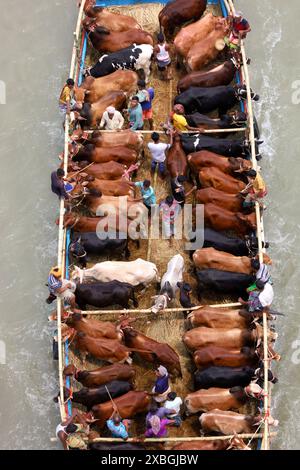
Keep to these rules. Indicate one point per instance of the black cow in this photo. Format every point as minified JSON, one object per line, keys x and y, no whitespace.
{"x":205,"y":100}
{"x":223,"y":377}
{"x":226,"y":147}
{"x":235,"y":246}
{"x":223,"y":281}
{"x":104,"y":294}
{"x":130,"y":58}
{"x":227,"y":121}
{"x":83,"y":244}
{"x":94,"y":396}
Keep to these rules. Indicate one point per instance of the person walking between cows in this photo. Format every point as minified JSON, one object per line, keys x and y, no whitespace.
{"x":178,"y":189}
{"x":161,"y":387}
{"x":162,"y":56}
{"x":173,"y":405}
{"x":147,"y":192}
{"x":112,"y":120}
{"x":158,"y":153}
{"x":118,"y":426}
{"x":169,"y":209}
{"x":146,"y":96}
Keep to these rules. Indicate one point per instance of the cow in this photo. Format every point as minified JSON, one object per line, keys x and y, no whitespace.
{"x":123,"y":138}
{"x":220,"y":398}
{"x":90,"y":114}
{"x":236,"y":246}
{"x":112,"y":21}
{"x":105,"y":294}
{"x":94,"y":328}
{"x":204,"y":158}
{"x":228,"y":121}
{"x":93,"y":396}
{"x":93,"y":89}
{"x":205,"y":51}
{"x":223,"y":282}
{"x":91,"y":153}
{"x":231,"y":339}
{"x":226,"y":147}
{"x":86,"y":184}
{"x":104,"y":349}
{"x":206,"y":100}
{"x":230,"y":202}
{"x":209,"y":258}
{"x":213,"y":177}
{"x":160,"y":353}
{"x":177,"y":12}
{"x":169,"y":283}
{"x":83,"y":244}
{"x":218,"y":318}
{"x":132,"y":272}
{"x":223,"y":220}
{"x":108,"y":223}
{"x":104,"y":40}
{"x":194,"y":32}
{"x":96,"y":377}
{"x":221,"y":357}
{"x":135,"y":57}
{"x":128,"y":406}
{"x":176,"y":159}
{"x":223,"y":377}
{"x":109,"y":171}
{"x":213,"y":444}
{"x":228,"y":422}
{"x":220,"y":75}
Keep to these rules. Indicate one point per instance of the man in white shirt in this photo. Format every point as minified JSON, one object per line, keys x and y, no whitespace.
{"x":174,"y":403}
{"x":112,"y":119}
{"x":158,"y":153}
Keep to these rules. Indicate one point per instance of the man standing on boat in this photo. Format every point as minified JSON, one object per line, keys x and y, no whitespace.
{"x":61,"y":288}
{"x":66,"y":99}
{"x":58,"y":185}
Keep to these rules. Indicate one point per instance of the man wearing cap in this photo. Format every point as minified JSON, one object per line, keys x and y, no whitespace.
{"x":61,"y":288}
{"x":112,"y":119}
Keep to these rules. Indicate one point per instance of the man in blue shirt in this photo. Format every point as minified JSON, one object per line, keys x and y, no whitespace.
{"x":117,"y":426}
{"x":146,"y":96}
{"x":135,"y":112}
{"x":148,"y":195}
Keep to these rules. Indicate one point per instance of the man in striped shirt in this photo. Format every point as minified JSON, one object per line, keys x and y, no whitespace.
{"x":61,"y":288}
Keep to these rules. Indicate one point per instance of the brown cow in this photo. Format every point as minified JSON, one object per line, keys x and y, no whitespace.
{"x":117,"y":206}
{"x":177,"y":12}
{"x":112,"y":21}
{"x":232,"y":339}
{"x":216,"y":356}
{"x":218,"y":318}
{"x":205,"y":158}
{"x":163,"y":353}
{"x":103,"y":375}
{"x":115,"y":188}
{"x":194,"y":32}
{"x":91,"y":153}
{"x":213,"y":177}
{"x":228,"y":422}
{"x":220,"y":75}
{"x":176,"y":159}
{"x":93,"y":89}
{"x":230,"y":202}
{"x":94,"y":328}
{"x":128,"y":406}
{"x":209,"y":258}
{"x":90,"y":115}
{"x":205,"y":51}
{"x":104,"y":40}
{"x":212,"y":398}
{"x":106,"y":171}
{"x":223,"y":220}
{"x":91,"y":224}
{"x":125,"y":138}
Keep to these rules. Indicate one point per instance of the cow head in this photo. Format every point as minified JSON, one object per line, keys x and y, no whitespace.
{"x":70,"y":370}
{"x":161,"y":302}
{"x":77,"y":274}
{"x":248,"y":220}
{"x":69,"y":219}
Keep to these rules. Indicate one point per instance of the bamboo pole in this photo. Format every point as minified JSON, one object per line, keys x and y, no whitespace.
{"x":61,"y":230}
{"x":148,"y":310}
{"x":265,"y":443}
{"x":173,"y":439}
{"x":158,"y":131}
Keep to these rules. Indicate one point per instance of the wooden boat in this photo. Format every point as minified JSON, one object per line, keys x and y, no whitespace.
{"x":170,"y":325}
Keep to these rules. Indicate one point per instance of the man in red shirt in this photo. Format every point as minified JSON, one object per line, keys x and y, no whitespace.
{"x":240,"y":26}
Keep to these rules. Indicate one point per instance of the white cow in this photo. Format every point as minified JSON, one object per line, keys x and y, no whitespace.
{"x":168,"y":286}
{"x":133,"y":272}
